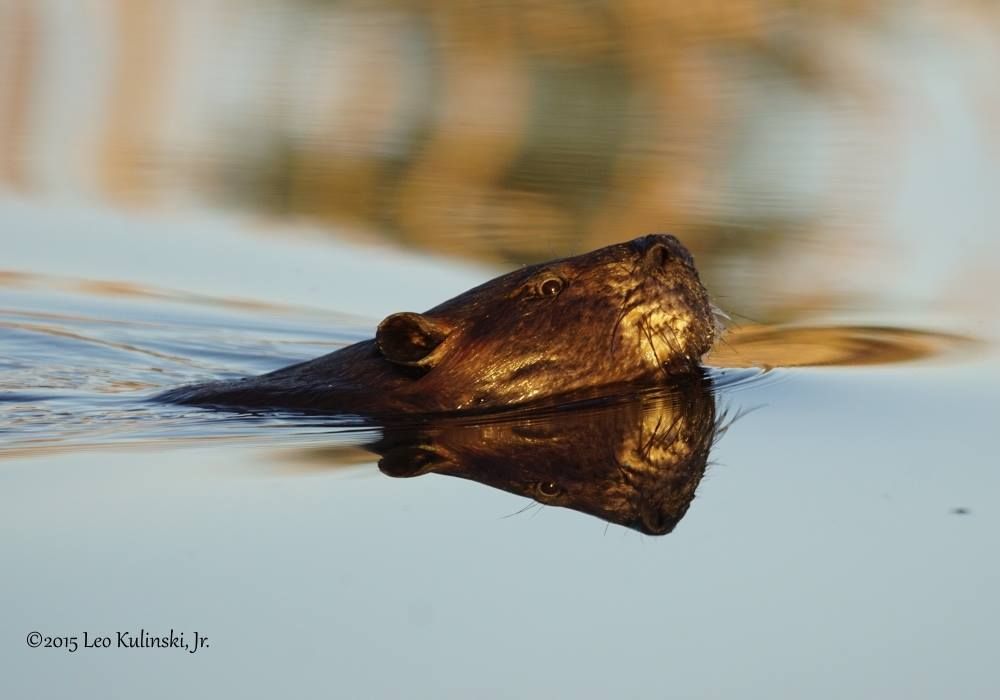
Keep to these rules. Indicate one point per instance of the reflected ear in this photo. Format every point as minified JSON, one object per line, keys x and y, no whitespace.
{"x":409,"y":339}
{"x":407,"y":461}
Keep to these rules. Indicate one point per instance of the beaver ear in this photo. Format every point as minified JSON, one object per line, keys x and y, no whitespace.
{"x":409,"y":339}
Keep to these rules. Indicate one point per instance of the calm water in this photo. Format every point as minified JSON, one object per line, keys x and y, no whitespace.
{"x":191,"y":193}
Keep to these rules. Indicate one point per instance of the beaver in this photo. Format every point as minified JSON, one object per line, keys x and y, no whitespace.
{"x":631,"y":313}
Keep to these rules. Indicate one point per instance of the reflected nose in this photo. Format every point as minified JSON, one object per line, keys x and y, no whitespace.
{"x":654,"y":521}
{"x":656,"y":249}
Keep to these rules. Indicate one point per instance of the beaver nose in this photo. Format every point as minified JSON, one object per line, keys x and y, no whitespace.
{"x":655,"y":249}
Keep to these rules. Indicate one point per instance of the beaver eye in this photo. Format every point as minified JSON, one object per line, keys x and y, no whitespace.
{"x":550,"y":287}
{"x":549,"y":489}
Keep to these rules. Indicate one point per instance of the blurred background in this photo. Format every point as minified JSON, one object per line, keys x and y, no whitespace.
{"x":820,"y":158}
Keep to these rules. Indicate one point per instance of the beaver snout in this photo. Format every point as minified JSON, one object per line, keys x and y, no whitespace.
{"x":658,"y":249}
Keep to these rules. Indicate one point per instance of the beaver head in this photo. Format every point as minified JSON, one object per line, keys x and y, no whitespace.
{"x":631,"y":312}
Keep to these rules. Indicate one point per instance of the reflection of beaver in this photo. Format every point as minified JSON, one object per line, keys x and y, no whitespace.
{"x":627,"y":313}
{"x":635,"y":462}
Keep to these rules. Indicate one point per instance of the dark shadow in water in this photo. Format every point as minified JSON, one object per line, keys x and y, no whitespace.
{"x":635,"y":462}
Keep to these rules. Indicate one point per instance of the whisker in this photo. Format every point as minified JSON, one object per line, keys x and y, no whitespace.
{"x":627,"y":308}
{"x":621,"y":266}
{"x":728,"y":315}
{"x":719,"y":313}
{"x":652,"y":346}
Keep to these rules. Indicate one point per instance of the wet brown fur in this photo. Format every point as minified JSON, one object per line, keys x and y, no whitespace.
{"x":631,"y":313}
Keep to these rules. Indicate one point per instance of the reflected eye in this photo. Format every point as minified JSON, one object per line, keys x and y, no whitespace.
{"x":548,"y":489}
{"x":550,"y":287}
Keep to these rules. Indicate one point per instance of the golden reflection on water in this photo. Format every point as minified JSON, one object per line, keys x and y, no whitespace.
{"x":777,"y":346}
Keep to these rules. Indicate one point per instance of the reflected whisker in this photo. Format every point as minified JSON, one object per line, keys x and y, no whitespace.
{"x":518,"y":512}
